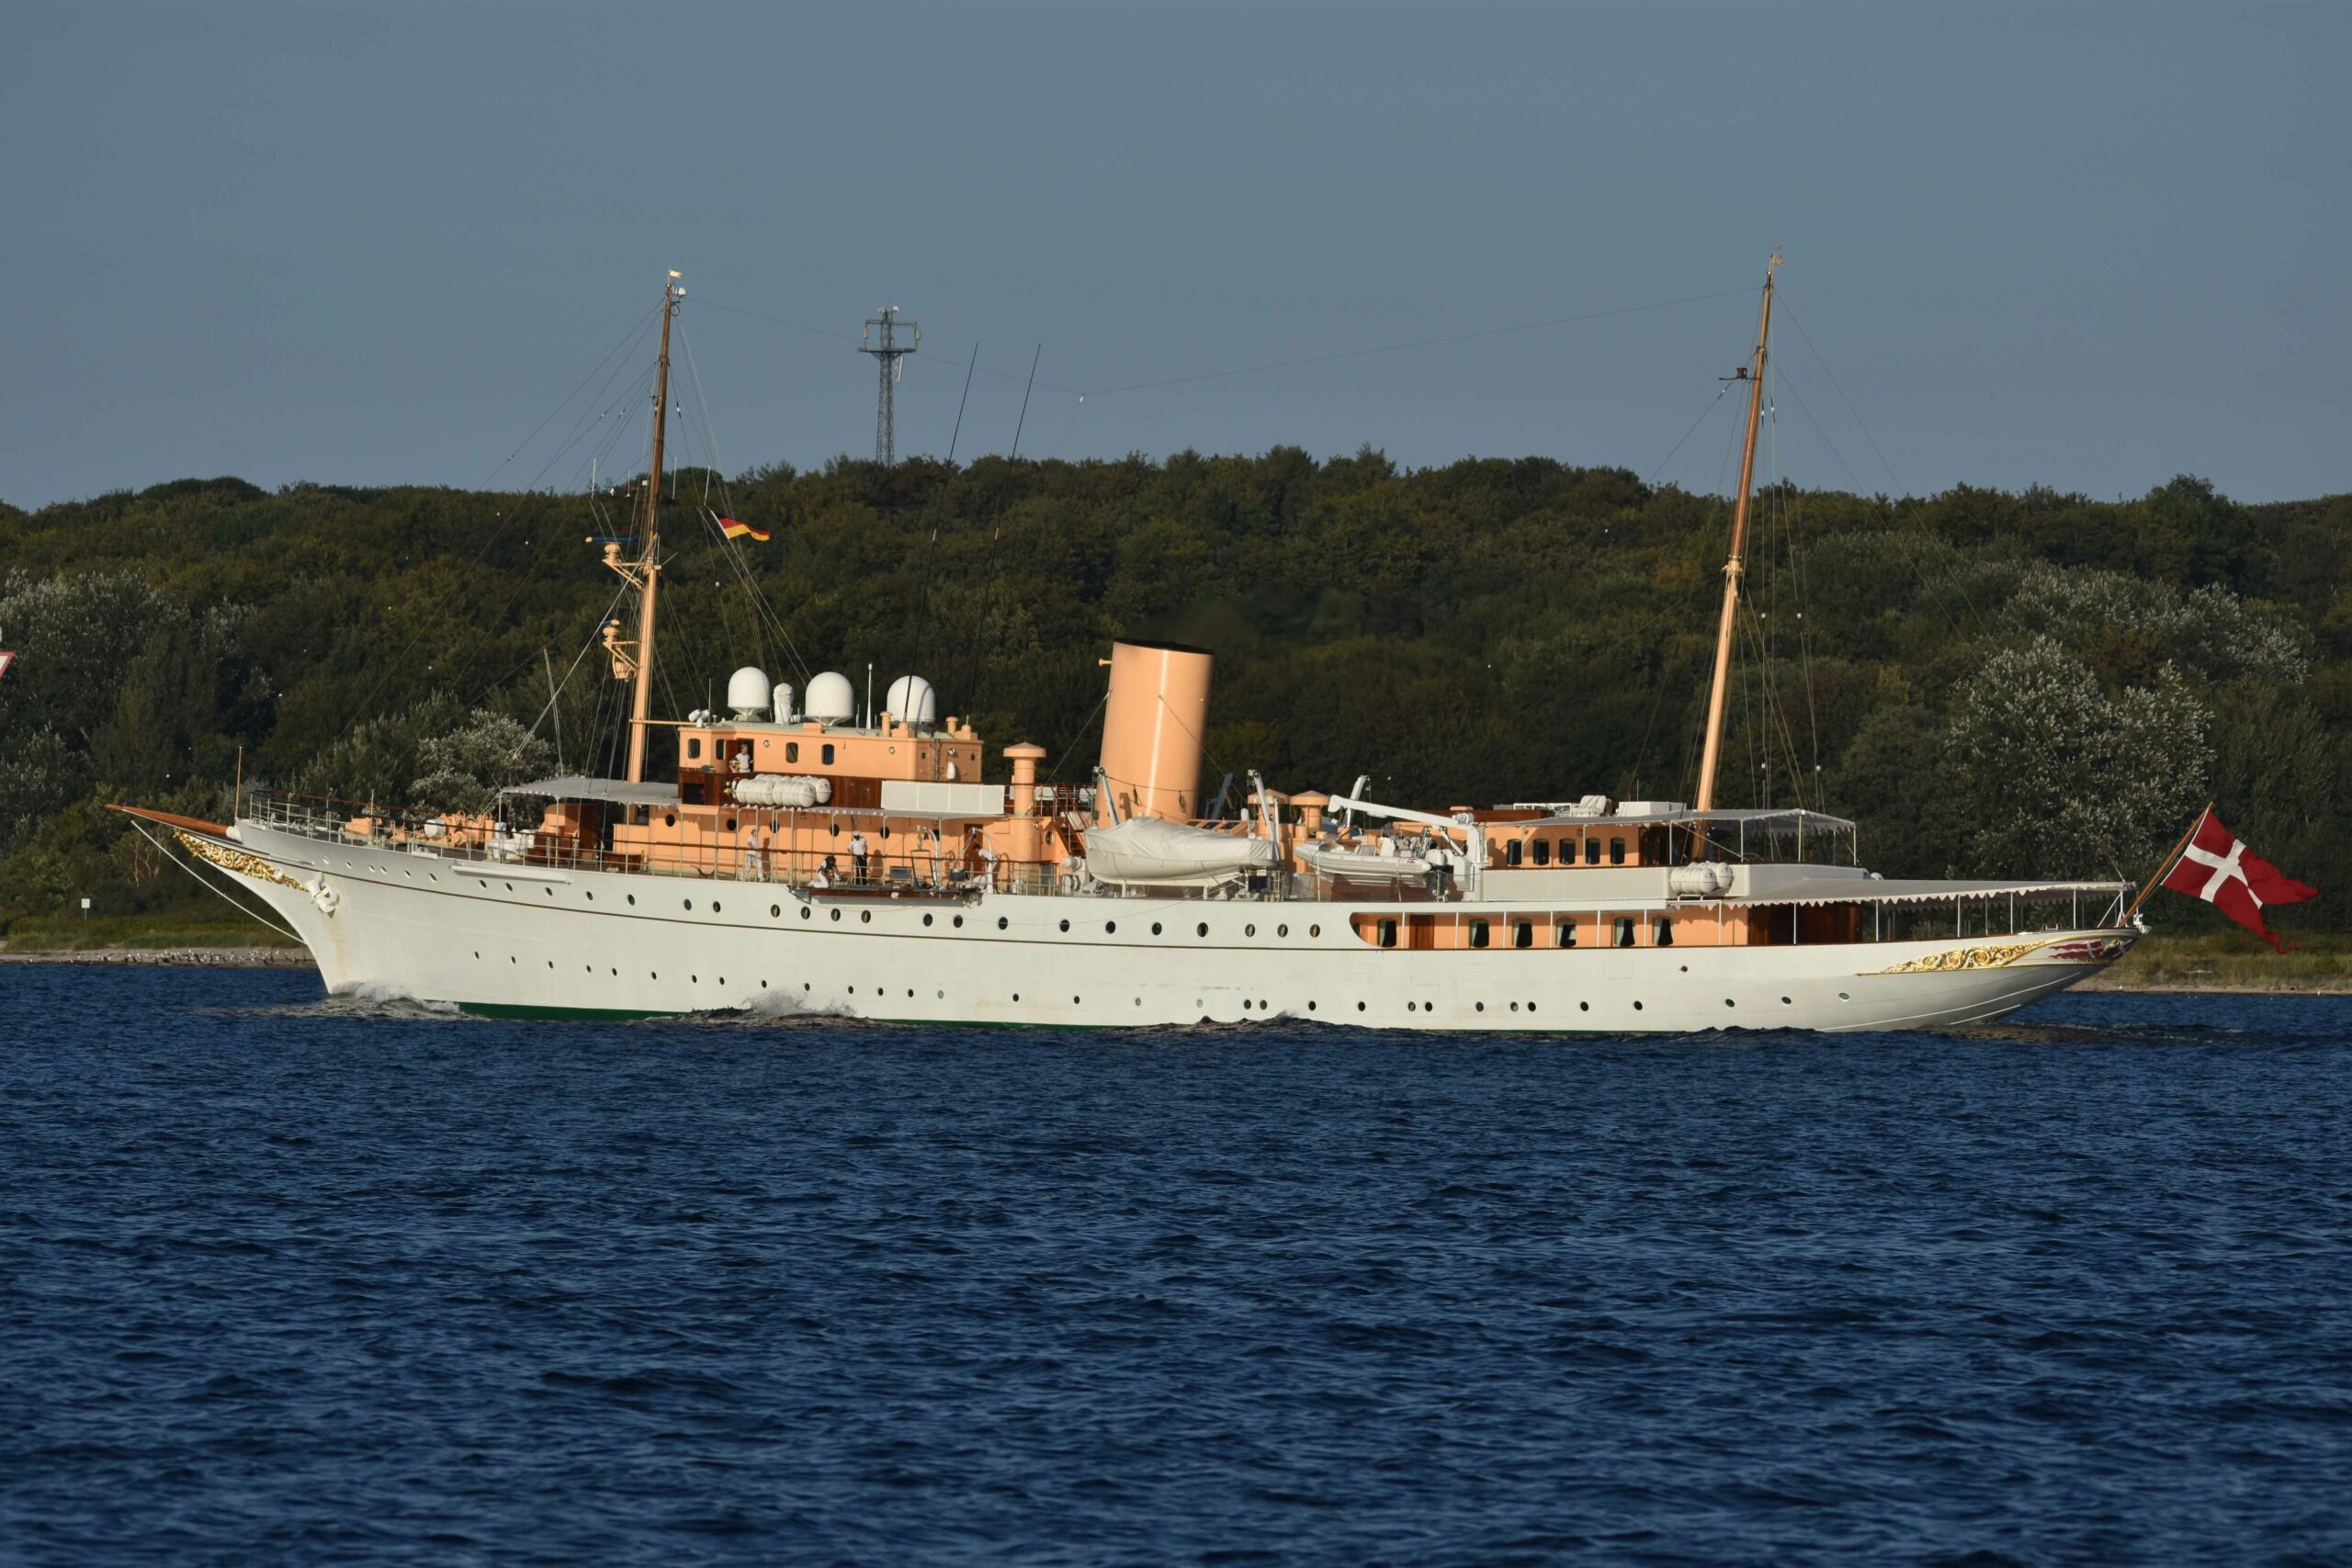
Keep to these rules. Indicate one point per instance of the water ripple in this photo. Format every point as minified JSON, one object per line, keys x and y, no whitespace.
{"x":291,"y":1280}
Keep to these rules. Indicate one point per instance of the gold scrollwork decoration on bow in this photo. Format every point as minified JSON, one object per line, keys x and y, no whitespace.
{"x":238,"y":860}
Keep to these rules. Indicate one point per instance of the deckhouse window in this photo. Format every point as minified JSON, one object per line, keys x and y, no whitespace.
{"x":1512,"y":852}
{"x":1542,"y":852}
{"x":1568,"y":933}
{"x":1387,"y":933}
{"x":693,"y":747}
{"x":1523,"y":933}
{"x":792,"y":751}
{"x":1665,"y":936}
{"x":1478,"y":933}
{"x":1616,"y":851}
{"x":829,"y":753}
{"x":1625,"y":930}
{"x":1592,"y":852}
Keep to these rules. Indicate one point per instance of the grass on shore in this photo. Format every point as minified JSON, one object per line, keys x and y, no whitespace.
{"x":73,"y":933}
{"x":2230,"y":961}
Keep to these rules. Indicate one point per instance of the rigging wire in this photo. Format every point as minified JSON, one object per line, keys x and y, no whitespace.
{"x":1083,"y":392}
{"x":1842,"y":397}
{"x":1417,"y":343}
{"x":627,"y":337}
{"x":1712,"y":403}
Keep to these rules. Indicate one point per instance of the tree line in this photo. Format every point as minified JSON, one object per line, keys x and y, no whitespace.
{"x":1990,"y":683}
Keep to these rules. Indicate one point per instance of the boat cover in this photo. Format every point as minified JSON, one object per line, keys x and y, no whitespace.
{"x":1151,"y":850}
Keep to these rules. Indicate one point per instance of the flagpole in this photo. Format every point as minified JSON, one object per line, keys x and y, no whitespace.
{"x":2170,"y":861}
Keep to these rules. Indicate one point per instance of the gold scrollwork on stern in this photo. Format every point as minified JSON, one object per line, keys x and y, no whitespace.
{"x":238,"y":860}
{"x":1991,"y":956}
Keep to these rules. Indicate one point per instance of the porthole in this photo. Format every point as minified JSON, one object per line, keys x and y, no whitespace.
{"x":1359,"y":1007}
{"x":1315,"y":930}
{"x":550,"y":962}
{"x":477,"y":952}
{"x":1155,"y":928}
{"x":806,"y":913}
{"x":1065,"y":925}
{"x":1249,"y":931}
{"x":1205,"y":928}
{"x":1728,"y":1002}
{"x":775,"y":911}
{"x":1412,"y":1007}
{"x":1073,"y":1001}
{"x":655,"y":974}
{"x":763,"y":985}
{"x":1000,"y":923}
{"x":1844,"y":998}
{"x":837,"y":915}
{"x":548,"y":891}
{"x":1282,"y":931}
{"x":1785,"y":1002}
{"x":926,"y":920}
{"x":1109,"y":927}
{"x":1637,"y":1007}
{"x":693,"y":979}
{"x":1531,"y":1007}
{"x":1482,"y":1007}
{"x":632,"y":897}
{"x":1584,"y":1007}
{"x":1310,"y":1007}
{"x":1514,"y":1007}
{"x":590,"y":896}
{"x":959,"y":922}
{"x":510,"y":958}
{"x":1016,"y":995}
{"x":865,"y":916}
{"x":617,"y":974}
{"x":714,"y":906}
{"x":670,"y":819}
{"x":688,"y":902}
{"x":508,"y":886}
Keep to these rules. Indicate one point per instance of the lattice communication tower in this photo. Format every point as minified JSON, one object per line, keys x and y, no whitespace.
{"x":881,"y":339}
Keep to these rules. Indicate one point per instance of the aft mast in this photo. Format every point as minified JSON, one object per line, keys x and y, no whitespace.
{"x":637,"y":660}
{"x":1733,"y":568}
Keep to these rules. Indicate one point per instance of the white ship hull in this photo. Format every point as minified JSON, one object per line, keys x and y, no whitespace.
{"x":518,"y":938}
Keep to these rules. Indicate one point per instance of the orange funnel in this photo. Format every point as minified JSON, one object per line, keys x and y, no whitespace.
{"x":1152,"y":724}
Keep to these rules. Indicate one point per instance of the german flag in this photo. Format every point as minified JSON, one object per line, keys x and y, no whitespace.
{"x":734,"y":530}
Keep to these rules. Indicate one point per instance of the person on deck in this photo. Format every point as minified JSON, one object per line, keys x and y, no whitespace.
{"x":857,"y":853}
{"x":755,"y":868}
{"x":824,"y":878}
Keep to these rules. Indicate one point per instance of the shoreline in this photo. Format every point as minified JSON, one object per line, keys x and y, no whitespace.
{"x":195,"y":955}
{"x":172,"y":955}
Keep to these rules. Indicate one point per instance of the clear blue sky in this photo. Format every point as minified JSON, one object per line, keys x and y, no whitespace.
{"x":2084,"y":245}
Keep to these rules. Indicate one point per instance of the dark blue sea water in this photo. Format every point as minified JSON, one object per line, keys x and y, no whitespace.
{"x":285,"y":1281}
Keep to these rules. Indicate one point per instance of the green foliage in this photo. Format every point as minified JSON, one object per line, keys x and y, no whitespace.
{"x":1990,"y":683}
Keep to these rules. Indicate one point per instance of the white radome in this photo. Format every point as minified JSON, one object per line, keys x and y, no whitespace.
{"x":912,"y":699}
{"x":749,"y":694}
{"x":830,"y":699}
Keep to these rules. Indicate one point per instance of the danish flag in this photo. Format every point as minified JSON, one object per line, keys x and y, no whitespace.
{"x":2215,"y":865}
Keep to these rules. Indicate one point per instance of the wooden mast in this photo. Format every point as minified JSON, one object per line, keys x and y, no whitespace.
{"x":649,"y":568}
{"x":1731,"y":568}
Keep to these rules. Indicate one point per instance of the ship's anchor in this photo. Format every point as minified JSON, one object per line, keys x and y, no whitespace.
{"x":325,"y":897}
